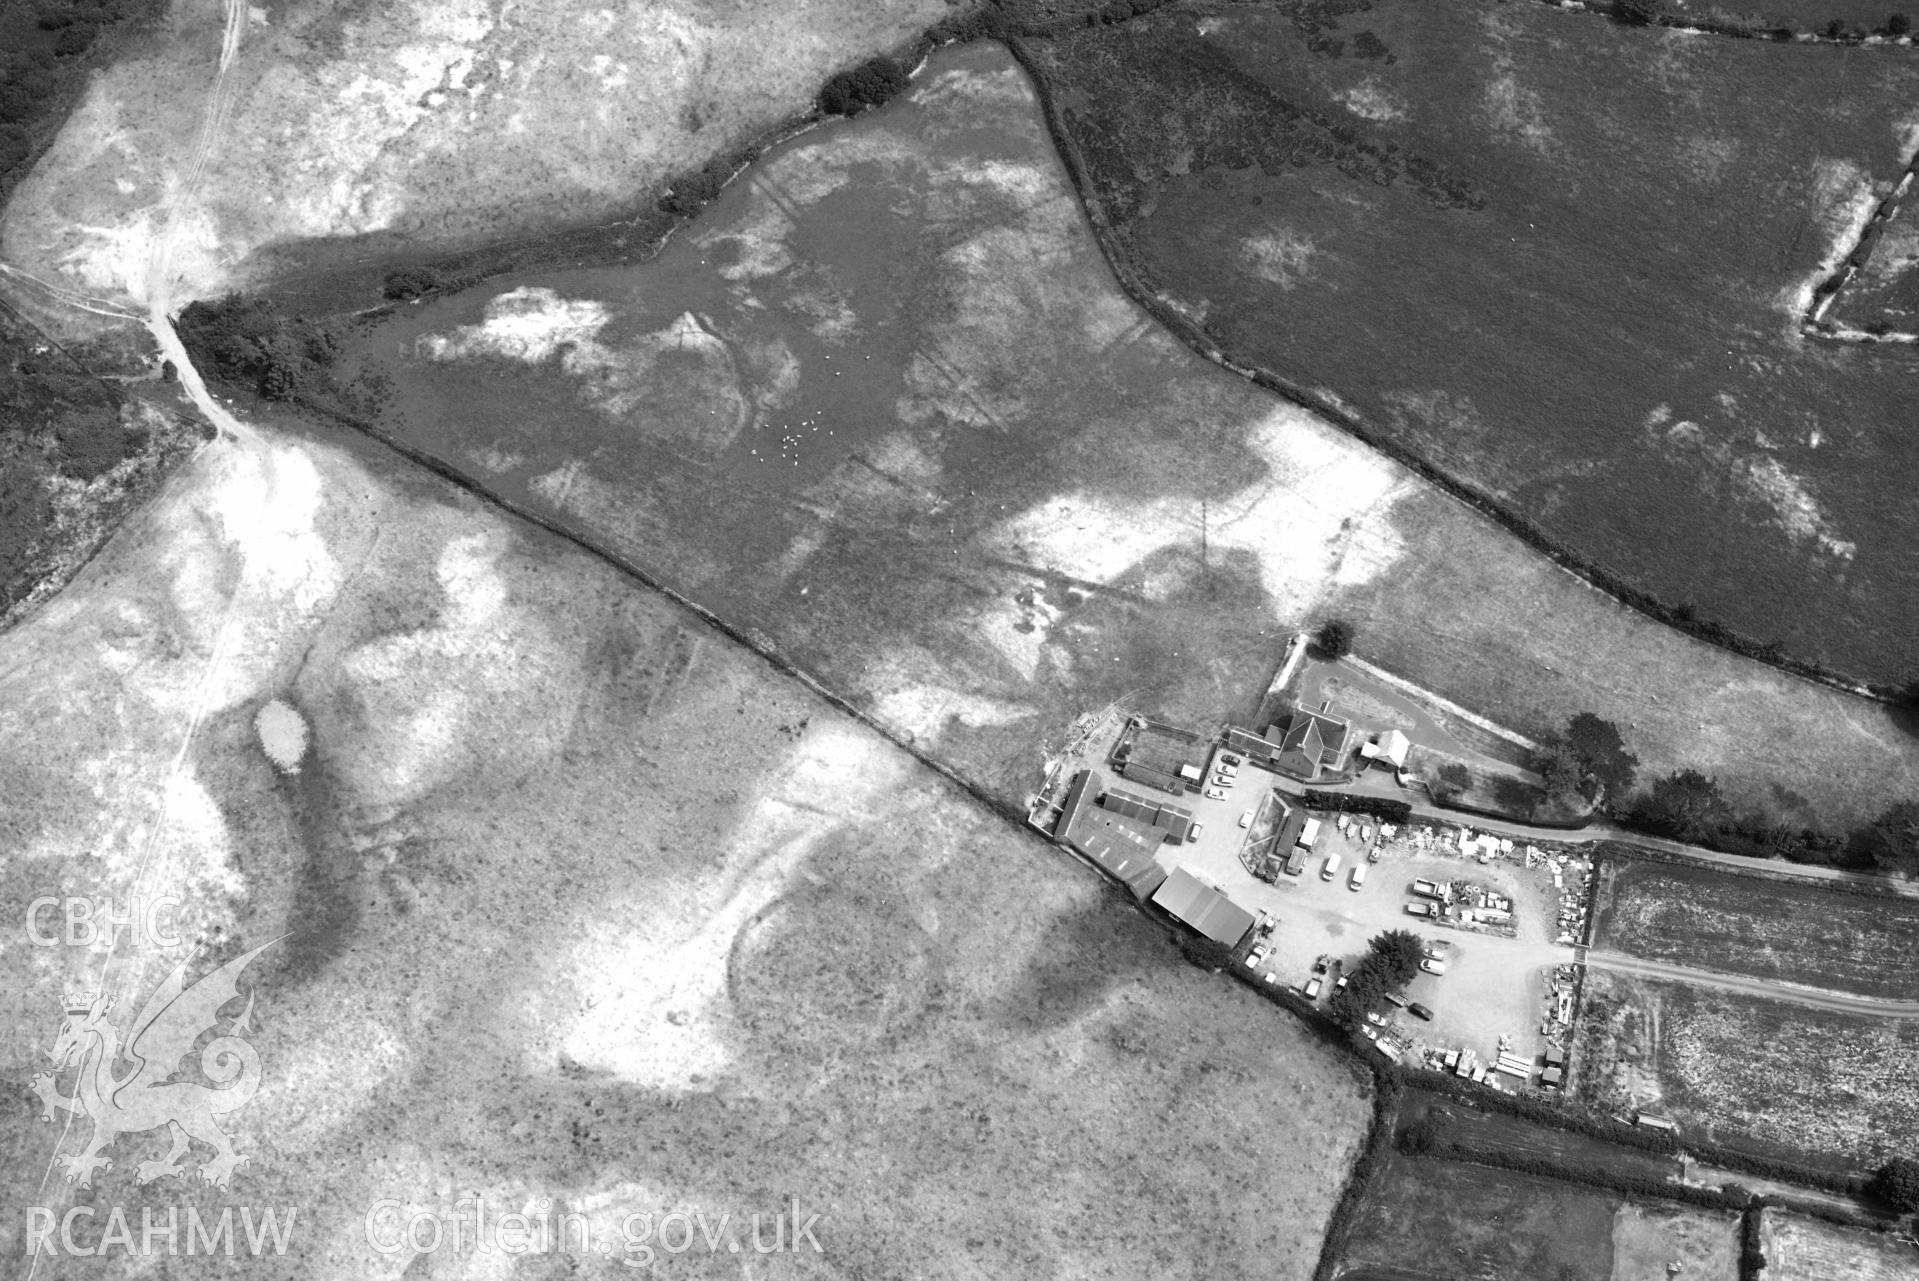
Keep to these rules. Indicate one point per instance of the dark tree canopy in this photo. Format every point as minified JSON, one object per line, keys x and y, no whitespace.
{"x":1603,"y":753}
{"x":1892,"y":840}
{"x":1449,"y":780}
{"x":1396,"y":955}
{"x":249,"y":344}
{"x":1685,"y":805}
{"x":867,"y":85}
{"x":1636,"y":13}
{"x":1364,"y":990}
{"x":1335,"y":638}
{"x":1559,"y":768}
{"x":1897,"y":1181}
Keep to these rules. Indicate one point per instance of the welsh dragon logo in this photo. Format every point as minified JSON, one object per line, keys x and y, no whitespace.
{"x":144,"y":1096}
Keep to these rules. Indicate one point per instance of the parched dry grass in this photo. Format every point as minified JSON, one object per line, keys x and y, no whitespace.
{"x":1805,"y":1249}
{"x":585,"y":902}
{"x":431,"y":124}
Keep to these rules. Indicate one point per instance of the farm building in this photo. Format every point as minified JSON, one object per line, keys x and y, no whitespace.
{"x":1311,"y":743}
{"x":1077,"y":797}
{"x":1174,"y":820}
{"x":1254,"y":747}
{"x":1161,"y":756}
{"x":1204,"y":907}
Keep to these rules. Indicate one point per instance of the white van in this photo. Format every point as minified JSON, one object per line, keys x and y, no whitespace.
{"x":1358,"y":878}
{"x":1331,"y":869}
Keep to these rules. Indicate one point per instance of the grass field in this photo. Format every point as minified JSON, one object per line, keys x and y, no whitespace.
{"x":1443,"y":1219}
{"x":1795,"y":932}
{"x":1497,"y":1132}
{"x":410,"y":127}
{"x":1560,"y":259}
{"x":924,"y":445}
{"x":1798,"y":1248}
{"x":586,"y":902}
{"x":1837,"y":1089}
{"x":1647,"y":1241}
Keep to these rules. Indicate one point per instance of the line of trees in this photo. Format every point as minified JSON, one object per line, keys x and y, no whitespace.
{"x":1587,"y":760}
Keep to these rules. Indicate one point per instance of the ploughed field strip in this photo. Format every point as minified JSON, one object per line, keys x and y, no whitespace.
{"x":1775,"y":930}
{"x":1560,"y":260}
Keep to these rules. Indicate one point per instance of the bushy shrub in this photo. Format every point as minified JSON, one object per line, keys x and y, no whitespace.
{"x":409,"y":283}
{"x":1383,"y":807}
{"x":1897,"y":1184}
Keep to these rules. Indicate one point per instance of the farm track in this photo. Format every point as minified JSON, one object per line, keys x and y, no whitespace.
{"x":1746,"y":985}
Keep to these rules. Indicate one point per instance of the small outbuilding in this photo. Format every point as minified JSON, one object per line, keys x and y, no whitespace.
{"x":1388,"y":749}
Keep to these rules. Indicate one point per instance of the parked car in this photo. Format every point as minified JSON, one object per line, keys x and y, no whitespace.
{"x":1215,"y":794}
{"x":1222,"y":780}
{"x":1419,"y":1011}
{"x":1246,"y":819}
{"x":1375,"y":1019}
{"x":1319,"y":966}
{"x":1344,"y":979}
{"x":1419,"y":909}
{"x":1227,"y":759}
{"x":1432,"y":965}
{"x":1372,"y":855}
{"x":1396,"y":999}
{"x":1312,"y":987}
{"x":1357,"y":877}
{"x":1192,"y":833}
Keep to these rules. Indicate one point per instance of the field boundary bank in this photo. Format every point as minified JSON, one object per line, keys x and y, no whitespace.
{"x":1626,"y":847}
{"x":1605,"y":1129}
{"x":1588,"y":571}
{"x":1828,"y":292}
{"x":1856,"y":38}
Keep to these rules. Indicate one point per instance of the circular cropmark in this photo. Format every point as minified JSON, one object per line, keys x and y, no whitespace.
{"x":826,"y":970}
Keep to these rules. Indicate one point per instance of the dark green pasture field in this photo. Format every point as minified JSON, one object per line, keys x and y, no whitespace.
{"x":1771,"y":929}
{"x":1560,"y":259}
{"x":1445,"y":1219}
